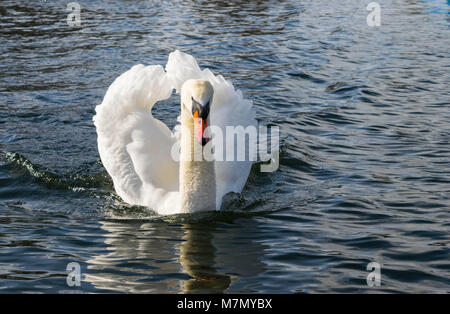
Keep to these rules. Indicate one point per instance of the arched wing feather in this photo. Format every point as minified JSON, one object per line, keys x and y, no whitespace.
{"x":135,"y":148}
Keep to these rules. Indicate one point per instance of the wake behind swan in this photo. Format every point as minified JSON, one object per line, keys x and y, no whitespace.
{"x":137,"y":149}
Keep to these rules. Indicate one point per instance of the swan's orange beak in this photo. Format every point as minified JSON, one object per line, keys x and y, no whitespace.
{"x":200,"y":126}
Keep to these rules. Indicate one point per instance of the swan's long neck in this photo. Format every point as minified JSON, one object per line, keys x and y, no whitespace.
{"x":197,"y":178}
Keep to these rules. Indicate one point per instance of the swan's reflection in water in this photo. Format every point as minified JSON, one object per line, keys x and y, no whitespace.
{"x":197,"y":257}
{"x":156,"y":257}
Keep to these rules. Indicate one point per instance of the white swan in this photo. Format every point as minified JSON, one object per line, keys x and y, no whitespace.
{"x":135,"y":148}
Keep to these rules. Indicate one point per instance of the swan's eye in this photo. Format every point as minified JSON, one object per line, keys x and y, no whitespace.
{"x":205,"y":111}
{"x":195,"y":106}
{"x":202,"y":111}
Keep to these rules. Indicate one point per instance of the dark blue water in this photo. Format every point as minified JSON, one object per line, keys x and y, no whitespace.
{"x":364,"y":172}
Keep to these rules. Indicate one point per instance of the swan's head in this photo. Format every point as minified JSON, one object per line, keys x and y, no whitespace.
{"x":196,"y":98}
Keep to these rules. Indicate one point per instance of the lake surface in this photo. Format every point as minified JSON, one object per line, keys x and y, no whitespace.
{"x":364,"y":115}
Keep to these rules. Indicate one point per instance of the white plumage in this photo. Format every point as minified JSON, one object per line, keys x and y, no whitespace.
{"x":135,"y":148}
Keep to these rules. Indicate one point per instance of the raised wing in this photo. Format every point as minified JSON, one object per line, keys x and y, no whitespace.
{"x":135,"y":148}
